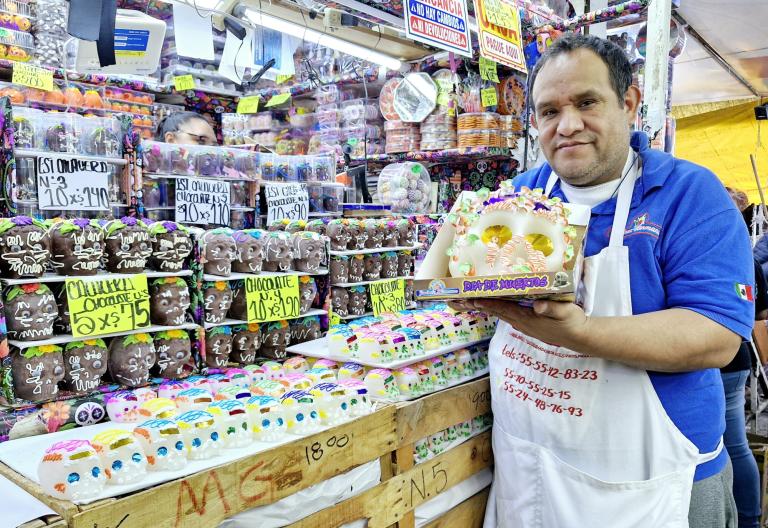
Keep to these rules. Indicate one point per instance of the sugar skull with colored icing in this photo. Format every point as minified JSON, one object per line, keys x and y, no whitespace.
{"x":250,"y":244}
{"x":84,"y":364}
{"x":162,"y":443}
{"x":202,"y":434}
{"x":342,"y":341}
{"x":218,"y":250}
{"x":238,"y":377}
{"x":267,"y":417}
{"x":25,"y":247}
{"x":77,"y":246}
{"x":297,"y":381}
{"x":163,"y":408}
{"x":233,"y":392}
{"x":464,"y":429}
{"x":407,"y":381}
{"x":169,"y":301}
{"x":357,"y":394}
{"x":339,"y":269}
{"x":351,"y":371}
{"x":123,"y":407}
{"x":307,"y":293}
{"x":421,"y":450}
{"x":437,"y":371}
{"x":234,"y":422}
{"x":275,"y":338}
{"x":356,"y":268}
{"x":217,"y":299}
{"x":246,"y":340}
{"x":404,"y":263}
{"x":340,"y":301}
{"x":30,"y":311}
{"x":372,"y":266}
{"x":171,"y":388}
{"x":127,"y":245}
{"x":358,"y":297}
{"x":256,"y":373}
{"x":269,"y":387}
{"x":358,"y":234}
{"x":339,"y":234}
{"x":279,"y":251}
{"x":218,"y":346}
{"x":308,"y":251}
{"x":122,"y":456}
{"x":273,"y":369}
{"x":321,"y":375}
{"x":72,"y":470}
{"x":303,"y":416}
{"x":194,"y":399}
{"x":219,"y":381}
{"x":36,"y":372}
{"x":332,"y":402}
{"x":391,"y":237}
{"x":437,"y":442}
{"x":450,"y":366}
{"x":405,"y":232}
{"x":174,"y":350}
{"x":130,"y":359}
{"x":171,"y":245}
{"x":381,"y":384}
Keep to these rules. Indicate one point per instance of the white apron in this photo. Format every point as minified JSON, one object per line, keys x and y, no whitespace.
{"x":579,"y":441}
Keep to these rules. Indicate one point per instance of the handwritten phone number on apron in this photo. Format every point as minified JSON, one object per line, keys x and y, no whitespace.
{"x":540,"y":404}
{"x":532,"y":386}
{"x":552,"y":372}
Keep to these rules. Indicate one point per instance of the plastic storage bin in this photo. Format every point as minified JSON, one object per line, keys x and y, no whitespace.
{"x":62,"y":132}
{"x":27,"y":124}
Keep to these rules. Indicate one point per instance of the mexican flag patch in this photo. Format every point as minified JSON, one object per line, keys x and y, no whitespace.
{"x":744,"y":291}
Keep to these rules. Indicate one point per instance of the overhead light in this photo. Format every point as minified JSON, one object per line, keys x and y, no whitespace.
{"x":321,"y":39}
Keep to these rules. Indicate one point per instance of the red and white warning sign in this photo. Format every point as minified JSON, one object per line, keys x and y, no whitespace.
{"x":439,"y":23}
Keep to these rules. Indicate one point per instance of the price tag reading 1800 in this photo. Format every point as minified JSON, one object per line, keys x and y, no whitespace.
{"x":272,"y":298}
{"x":104,"y":306}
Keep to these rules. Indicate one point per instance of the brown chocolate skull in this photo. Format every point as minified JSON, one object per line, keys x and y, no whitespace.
{"x":404,"y":264}
{"x":307,"y":293}
{"x":169,"y":301}
{"x":372,"y":267}
{"x":173,"y":350}
{"x":338,"y":232}
{"x":391,"y":236}
{"x":405,"y":232}
{"x":308,"y":251}
{"x":36,"y":372}
{"x":84,"y":364}
{"x":356,"y":268}
{"x":217,"y":298}
{"x":24,"y":247}
{"x":250,"y":250}
{"x":358,"y":234}
{"x":130,"y":359}
{"x":408,"y":291}
{"x":30,"y":310}
{"x":275,"y":338}
{"x":317,"y":226}
{"x":218,"y":346}
{"x":375,"y":232}
{"x":357,"y":300}
{"x":246,"y":340}
{"x":219,"y":251}
{"x":340,"y":301}
{"x":239,"y":308}
{"x":62,"y":323}
{"x":76,"y":247}
{"x":339,"y":269}
{"x":389,"y":265}
{"x":171,"y":245}
{"x":306,"y":329}
{"x":279,"y":252}
{"x":127,"y":245}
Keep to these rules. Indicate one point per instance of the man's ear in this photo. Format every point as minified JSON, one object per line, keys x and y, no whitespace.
{"x":533,"y":121}
{"x":632,"y":103}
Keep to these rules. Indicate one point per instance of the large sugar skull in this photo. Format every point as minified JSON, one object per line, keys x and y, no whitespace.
{"x":307,"y":293}
{"x":308,"y":251}
{"x":279,"y":251}
{"x":357,"y":395}
{"x":275,"y":339}
{"x":357,"y":234}
{"x":509,"y":231}
{"x":256,"y":372}
{"x":72,"y":470}
{"x":357,"y":300}
{"x":273,"y":370}
{"x":375,"y":229}
{"x":407,"y":381}
{"x":464,"y":363}
{"x":246,"y":340}
{"x":391,"y":238}
{"x":163,"y":445}
{"x":332,"y":402}
{"x":338,"y":233}
{"x":233,"y":420}
{"x":217,"y":299}
{"x":171,"y":245}
{"x":24,"y":247}
{"x":303,"y":414}
{"x":30,"y":310}
{"x":238,"y":377}
{"x":130,"y":359}
{"x":127,"y":245}
{"x":239,"y":308}
{"x":76,"y":246}
{"x":250,"y":247}
{"x":169,"y":301}
{"x":373,"y":265}
{"x":218,"y":251}
{"x":173,"y":349}
{"x":356,"y":268}
{"x":297,"y":381}
{"x":163,"y":408}
{"x":267,"y":417}
{"x":193,"y":399}
{"x":269,"y":387}
{"x":36,"y":371}
{"x":123,"y":407}
{"x":84,"y":364}
{"x":381,"y":384}
{"x":406,"y":232}
{"x":218,"y":346}
{"x":123,"y":458}
{"x":306,"y":329}
{"x":340,"y":301}
{"x":202,"y":434}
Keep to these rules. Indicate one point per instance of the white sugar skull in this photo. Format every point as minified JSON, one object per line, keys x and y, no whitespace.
{"x":200,"y":382}
{"x":160,"y":408}
{"x":381,"y":384}
{"x":193,"y":399}
{"x":202,"y":435}
{"x":464,"y":429}
{"x":233,"y":392}
{"x":267,"y":417}
{"x":219,"y":381}
{"x":480,"y":359}
{"x":273,"y":369}
{"x":342,"y":341}
{"x":351,"y":371}
{"x":332,"y":403}
{"x":421,"y":450}
{"x":123,"y":407}
{"x":256,"y":372}
{"x":464,"y":363}
{"x":144,"y":394}
{"x":89,"y":413}
{"x":122,"y":456}
{"x":412,"y":346}
{"x":233,"y":420}
{"x":451,"y":433}
{"x":297,"y":381}
{"x":296,"y":364}
{"x":239,"y":377}
{"x":478,"y":424}
{"x":318,"y":374}
{"x":326,"y":363}
{"x":407,"y":381}
{"x":357,"y":395}
{"x":72,"y":470}
{"x":450,"y":367}
{"x":303,"y":416}
{"x":425,"y":376}
{"x":437,"y":443}
{"x":163,"y":444}
{"x":437,"y":371}
{"x":171,"y":388}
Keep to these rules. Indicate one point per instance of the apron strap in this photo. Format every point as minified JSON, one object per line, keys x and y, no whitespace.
{"x":623,"y":201}
{"x":706,"y":457}
{"x":550,"y":183}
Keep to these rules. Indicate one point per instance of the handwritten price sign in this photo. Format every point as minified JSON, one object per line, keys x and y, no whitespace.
{"x":387,"y":296}
{"x":202,"y":201}
{"x":72,"y":184}
{"x":287,"y":202}
{"x":32,"y":76}
{"x":272,"y":298}
{"x":104,"y":306}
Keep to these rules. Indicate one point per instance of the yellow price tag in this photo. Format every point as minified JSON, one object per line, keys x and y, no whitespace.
{"x":278,"y":99}
{"x":387,"y":296}
{"x":32,"y":76}
{"x":499,"y":13}
{"x":334,"y":319}
{"x":183,"y":83}
{"x":283,"y":78}
{"x":248,"y":105}
{"x":489,"y":97}
{"x":104,"y":306}
{"x":442,"y":98}
{"x":488,"y":70}
{"x":272,"y":298}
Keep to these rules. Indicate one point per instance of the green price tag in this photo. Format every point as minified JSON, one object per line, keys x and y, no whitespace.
{"x":387,"y":296}
{"x":488,"y":70}
{"x":442,"y":98}
{"x":333,"y":319}
{"x":489,"y":97}
{"x":182,"y":83}
{"x":277,"y":100}
{"x":282,"y":78}
{"x":32,"y":76}
{"x":104,"y":306}
{"x":272,"y":298}
{"x":248,"y":105}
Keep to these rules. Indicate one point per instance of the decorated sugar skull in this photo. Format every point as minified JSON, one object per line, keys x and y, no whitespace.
{"x":217,"y":298}
{"x":303,"y":416}
{"x":340,"y":301}
{"x":127,"y":245}
{"x":84,"y":364}
{"x":451,"y":433}
{"x":356,"y":268}
{"x":163,"y":445}
{"x":321,"y":375}
{"x":479,"y":358}
{"x":407,"y":381}
{"x":296,"y":365}
{"x":233,"y":418}
{"x":174,"y":350}
{"x":269,"y":387}
{"x":332,"y":402}
{"x":122,"y":456}
{"x":123,"y":407}
{"x":351,"y":371}
{"x":238,"y":377}
{"x":478,"y":424}
{"x":342,"y":341}
{"x":169,"y":301}
{"x":199,"y":382}
{"x":163,"y":408}
{"x":256,"y":373}
{"x":194,"y":399}
{"x":275,"y":338}
{"x":437,"y":442}
{"x":318,"y":225}
{"x":405,"y":232}
{"x":144,"y":394}
{"x":437,"y":370}
{"x":72,"y":470}
{"x":171,"y":388}
{"x":358,"y":234}
{"x":250,"y":246}
{"x":391,"y":237}
{"x":339,"y":234}
{"x":296,"y":226}
{"x":357,"y":395}
{"x":202,"y":434}
{"x":451,"y":366}
{"x":375,"y":346}
{"x":372,"y":266}
{"x":219,"y":381}
{"x":425,"y":376}
{"x":218,"y":346}
{"x":36,"y":372}
{"x":389,"y":265}
{"x":171,"y":245}
{"x":25,"y":247}
{"x":76,"y":246}
{"x":358,"y":298}
{"x":30,"y":310}
{"x":307,"y":293}
{"x":278,"y":225}
{"x":308,"y":251}
{"x":326,"y":364}
{"x":130,"y":359}
{"x":464,"y":429}
{"x":267,"y":417}
{"x":246,"y":340}
{"x":273,"y":369}
{"x":339,"y":269}
{"x":421,"y":450}
{"x":297,"y":381}
{"x":471,"y":325}
{"x":279,"y":251}
{"x":218,"y":251}
{"x":381,"y":384}
{"x":233,"y":392}
{"x":404,"y":263}
{"x":414,"y":345}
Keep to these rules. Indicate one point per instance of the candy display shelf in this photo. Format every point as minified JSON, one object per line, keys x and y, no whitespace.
{"x":408,"y":306}
{"x":68,"y":338}
{"x":52,"y":277}
{"x":240,"y":276}
{"x":440,"y":156}
{"x":28,"y":153}
{"x":373,"y":250}
{"x":307,"y":87}
{"x":229,"y":322}
{"x":439,"y":388}
{"x":168,"y":176}
{"x":365,"y":283}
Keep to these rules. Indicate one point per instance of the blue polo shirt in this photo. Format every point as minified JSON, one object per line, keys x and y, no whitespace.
{"x":688,"y":248}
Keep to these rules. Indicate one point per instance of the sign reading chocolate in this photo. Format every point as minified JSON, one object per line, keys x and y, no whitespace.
{"x":289,"y":202}
{"x":272,"y":298}
{"x":103,"y":306}
{"x":202,"y":201}
{"x":72,"y":184}
{"x":387,"y":296}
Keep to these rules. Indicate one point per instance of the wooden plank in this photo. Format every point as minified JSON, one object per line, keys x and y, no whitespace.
{"x":404,"y":462}
{"x":428,"y":415}
{"x":468,"y":514}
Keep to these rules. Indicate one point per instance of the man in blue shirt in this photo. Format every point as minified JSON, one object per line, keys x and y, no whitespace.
{"x":690,"y":277}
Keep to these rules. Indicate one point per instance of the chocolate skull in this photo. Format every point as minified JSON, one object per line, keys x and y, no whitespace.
{"x":24,"y":247}
{"x":279,"y":252}
{"x":391,"y":236}
{"x":76,"y":246}
{"x":406,"y":233}
{"x":246,"y":340}
{"x":338,"y":232}
{"x":408,"y":292}
{"x":130,"y":359}
{"x":358,"y":234}
{"x":173,"y":350}
{"x":239,"y":308}
{"x":169,"y":301}
{"x":339,"y":269}
{"x":340,"y":301}
{"x":306,"y":329}
{"x":62,"y":324}
{"x":389,"y":265}
{"x":127,"y":246}
{"x":275,"y":338}
{"x":357,"y":300}
{"x":84,"y":364}
{"x":356,"y":268}
{"x":404,"y":263}
{"x":307,"y":293}
{"x":30,"y":310}
{"x":318,"y":226}
{"x":372,"y":267}
{"x":375,"y":231}
{"x":217,"y":298}
{"x":295,"y":226}
{"x":308,"y":251}
{"x":36,"y":372}
{"x":250,"y":250}
{"x":218,"y":346}
{"x":278,"y":225}
{"x":171,"y":245}
{"x":218,"y":251}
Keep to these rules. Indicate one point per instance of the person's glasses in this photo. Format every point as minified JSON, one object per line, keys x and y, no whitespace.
{"x":200,"y":139}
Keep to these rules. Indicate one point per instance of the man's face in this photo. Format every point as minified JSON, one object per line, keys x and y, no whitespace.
{"x":583,"y":127}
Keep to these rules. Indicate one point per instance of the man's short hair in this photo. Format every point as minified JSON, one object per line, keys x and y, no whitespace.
{"x":619,"y":68}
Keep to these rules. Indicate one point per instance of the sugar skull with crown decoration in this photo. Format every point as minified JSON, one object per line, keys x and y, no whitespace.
{"x":171,"y":245}
{"x":130,"y":359}
{"x":25,"y":247}
{"x":307,"y":293}
{"x":169,"y":300}
{"x":162,"y":443}
{"x":268,"y":418}
{"x":308,"y":251}
{"x":72,"y":470}
{"x":218,"y":346}
{"x":123,"y":407}
{"x":357,"y":234}
{"x":233,"y":420}
{"x":279,"y":252}
{"x":174,"y":350}
{"x":339,"y":234}
{"x":122,"y":455}
{"x":246,"y":340}
{"x":217,"y":299}
{"x":250,"y":246}
{"x":202,"y":434}
{"x":275,"y":339}
{"x":127,"y":245}
{"x":84,"y":364}
{"x":30,"y":311}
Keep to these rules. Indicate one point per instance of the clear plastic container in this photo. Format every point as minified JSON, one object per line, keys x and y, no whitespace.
{"x":49,"y":47}
{"x":373,"y":132}
{"x":12,"y":18}
{"x":62,"y":132}
{"x":478,"y":121}
{"x":207,"y":160}
{"x":359,"y":111}
{"x":479,"y":138}
{"x":181,"y":159}
{"x":324,"y":167}
{"x":17,"y":45}
{"x":102,"y":136}
{"x":437,"y":144}
{"x":267,"y":164}
{"x":404,"y":186}
{"x":285,"y":171}
{"x":307,"y":120}
{"x":131,"y":97}
{"x":27,"y":124}
{"x":438,"y":129}
{"x":24,"y":187}
{"x":154,"y":157}
{"x":333,"y":197}
{"x":261,"y":121}
{"x":303,"y":168}
{"x":52,"y":16}
{"x":238,"y":192}
{"x":247,"y":163}
{"x":315,"y":192}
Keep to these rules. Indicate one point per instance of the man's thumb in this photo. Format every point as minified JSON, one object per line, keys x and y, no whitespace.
{"x":555,"y":310}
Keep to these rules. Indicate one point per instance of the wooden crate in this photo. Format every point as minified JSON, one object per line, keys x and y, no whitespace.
{"x":468,"y":514}
{"x":48,"y":521}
